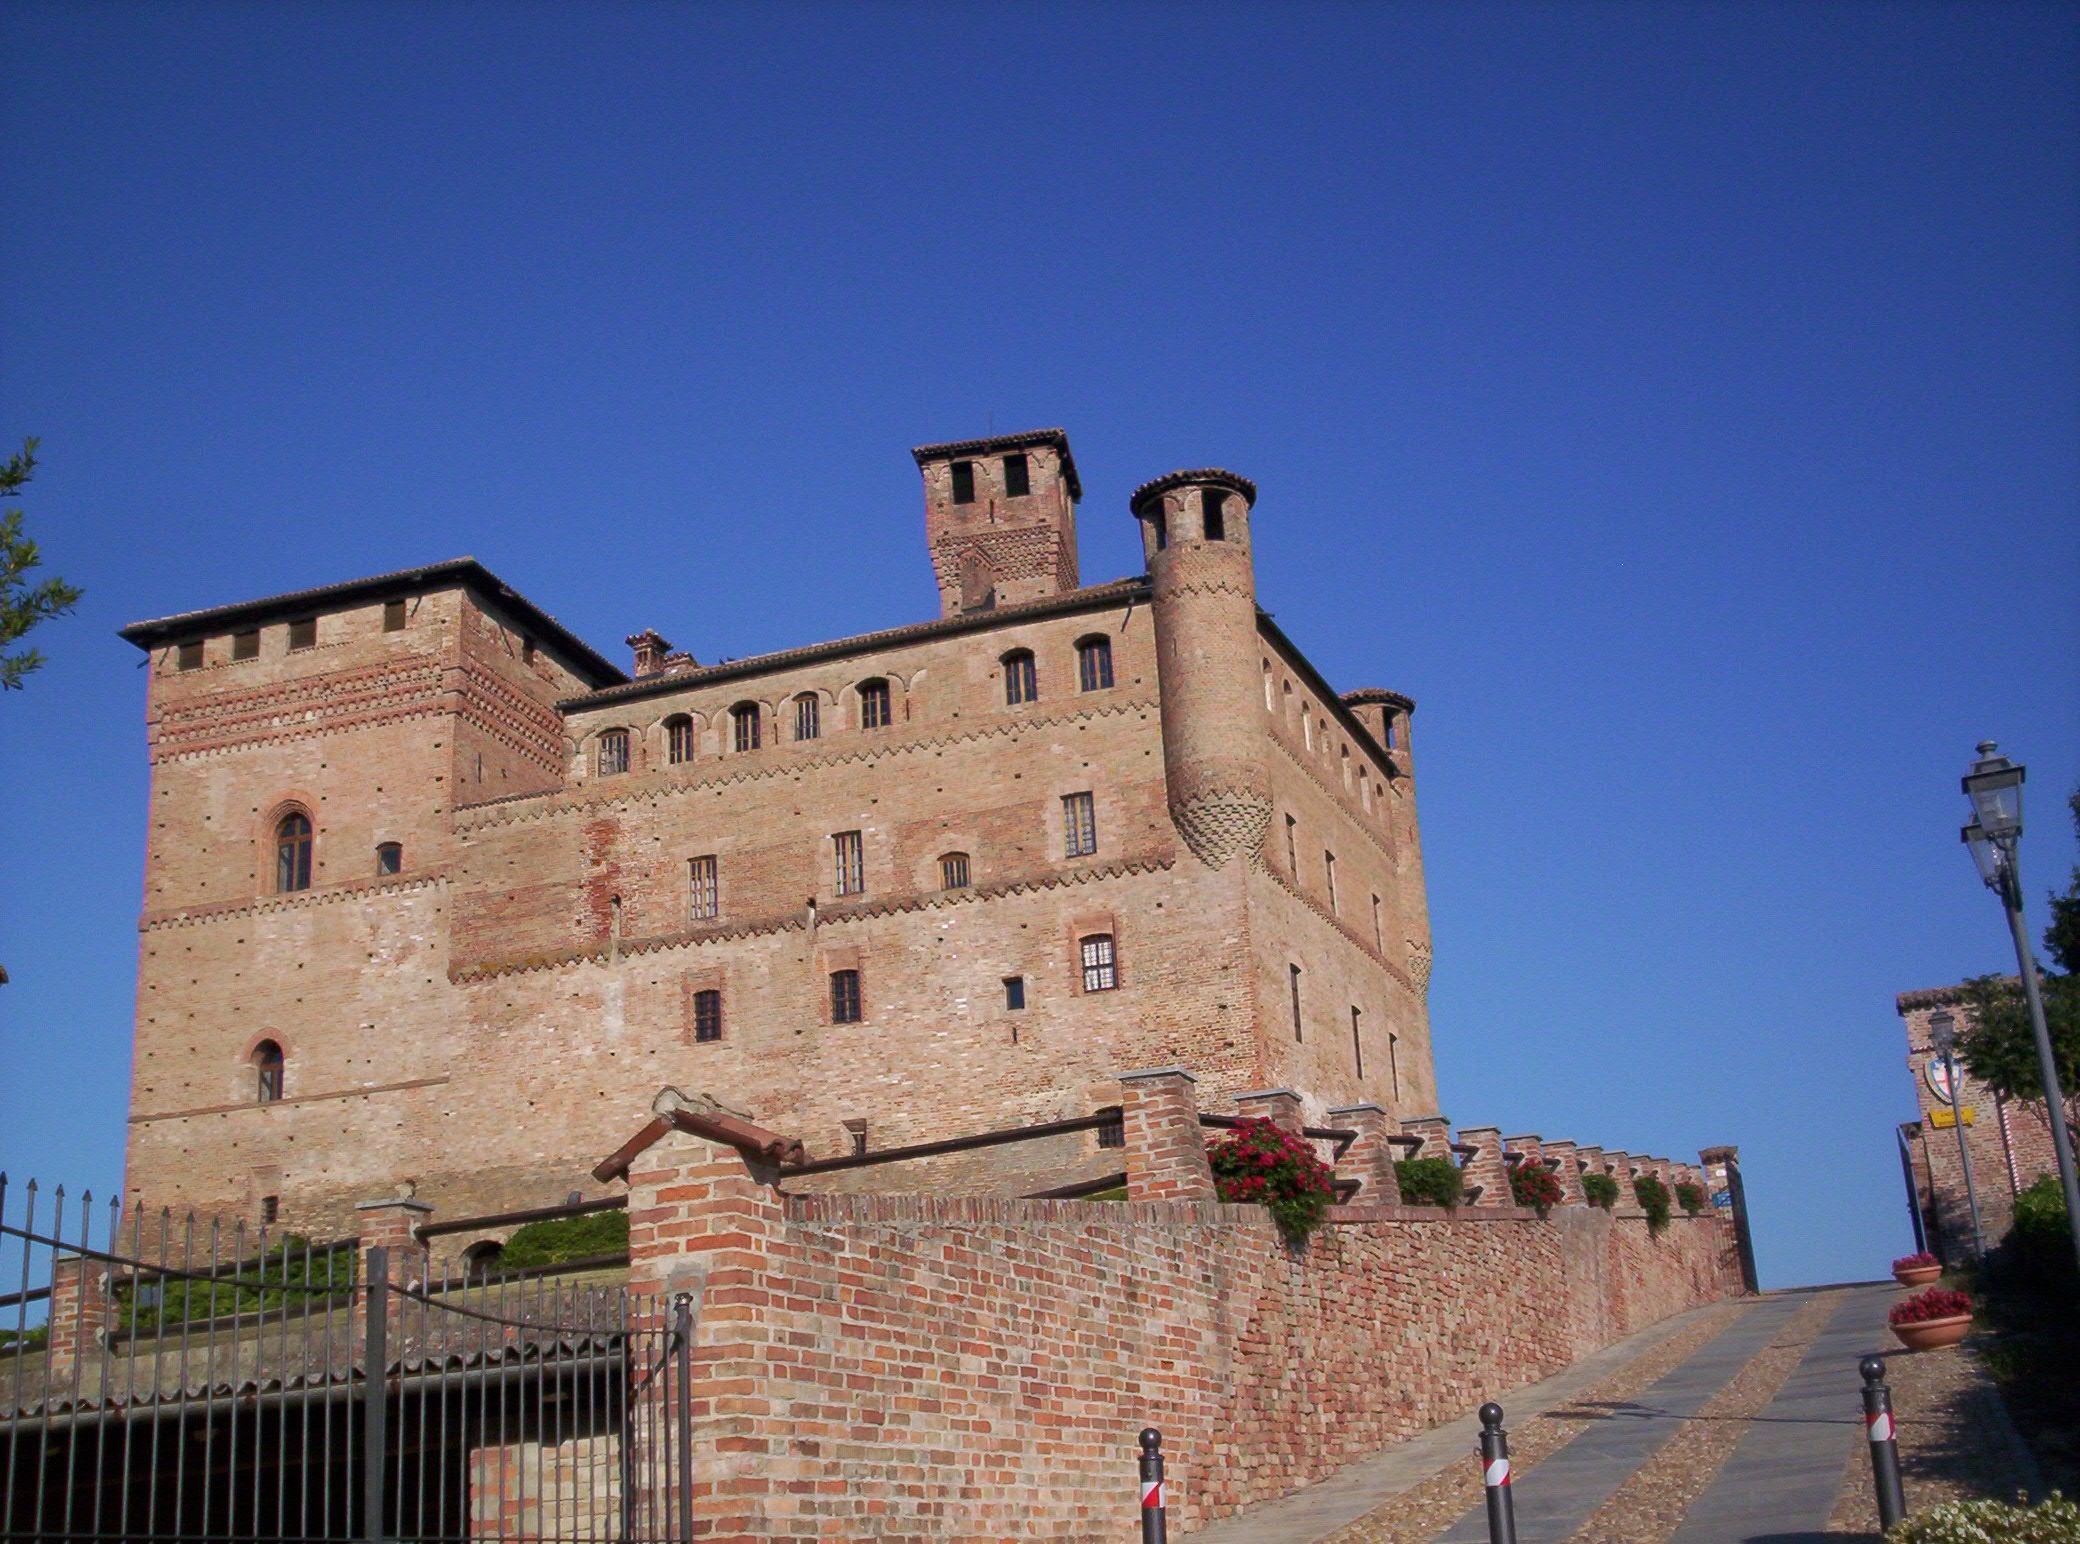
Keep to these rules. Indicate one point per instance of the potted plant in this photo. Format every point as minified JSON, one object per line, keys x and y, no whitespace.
{"x":1259,"y":1161}
{"x":1932,"y":1319}
{"x":1654,"y":1200}
{"x":1430,"y":1182}
{"x":1535,"y":1187}
{"x":1691,"y":1198}
{"x":1600,"y":1190}
{"x":1916,"y":1270}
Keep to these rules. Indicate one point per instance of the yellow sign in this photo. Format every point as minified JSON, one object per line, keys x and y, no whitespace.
{"x":1943,"y":1119}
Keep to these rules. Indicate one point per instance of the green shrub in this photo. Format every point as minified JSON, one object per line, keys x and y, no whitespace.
{"x":565,"y":1238}
{"x":2053,"y":1521}
{"x":1260,"y":1161}
{"x":1600,"y":1190}
{"x":1654,"y":1200}
{"x":265,"y":1286}
{"x":1691,"y":1198}
{"x":1430,"y":1182}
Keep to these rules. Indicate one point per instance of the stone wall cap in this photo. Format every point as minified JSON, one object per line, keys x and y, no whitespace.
{"x":1160,"y":1072}
{"x":409,"y":1203}
{"x":1267,"y":1093}
{"x":1367,"y":1107}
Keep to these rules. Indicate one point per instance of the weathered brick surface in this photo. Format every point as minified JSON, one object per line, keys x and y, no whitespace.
{"x":970,"y":1368}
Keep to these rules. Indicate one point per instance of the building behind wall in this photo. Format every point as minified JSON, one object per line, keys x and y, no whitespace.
{"x":2008,"y":1140}
{"x":433,"y":890}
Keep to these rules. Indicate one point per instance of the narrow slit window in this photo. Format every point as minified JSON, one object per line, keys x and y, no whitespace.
{"x":613,"y":752}
{"x":1159,"y":522}
{"x":1213,"y":508}
{"x":303,"y":633}
{"x":1358,"y":1038}
{"x":189,"y":656}
{"x":393,"y":616}
{"x":953,"y":871}
{"x":808,"y":717}
{"x":1379,"y":937}
{"x":705,"y":893}
{"x":1079,"y":826}
{"x":743,"y":720}
{"x":1394,"y":1062}
{"x":1329,"y":877}
{"x":678,"y":739}
{"x":707,"y":1016}
{"x":873,"y":705}
{"x":246,"y":645}
{"x":1293,"y":981}
{"x":1292,"y":848}
{"x":1014,"y":993}
{"x":1021,"y":680}
{"x":1018,"y":476}
{"x":389,"y":858}
{"x":849,"y":859}
{"x":1387,"y":727}
{"x":269,"y":1070}
{"x":1094,"y":664}
{"x":292,"y":853}
{"x":963,"y":482}
{"x":1100,"y":963}
{"x":845,"y":1003}
{"x":527,"y":651}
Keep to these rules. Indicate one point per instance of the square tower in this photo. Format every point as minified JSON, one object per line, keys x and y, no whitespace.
{"x":1000,"y":517}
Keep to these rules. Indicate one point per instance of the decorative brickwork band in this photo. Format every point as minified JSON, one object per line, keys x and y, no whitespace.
{"x":1221,"y":826}
{"x":1486,"y":1168}
{"x":1166,"y":1149}
{"x":1370,"y":1159}
{"x":1280,"y":1106}
{"x":1563,"y":1158}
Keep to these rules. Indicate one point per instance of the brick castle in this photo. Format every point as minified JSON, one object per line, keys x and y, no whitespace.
{"x":435,"y":894}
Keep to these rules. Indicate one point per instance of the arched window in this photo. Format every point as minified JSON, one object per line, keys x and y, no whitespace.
{"x":389,"y":858}
{"x":268,"y":1067}
{"x":1345,"y":760}
{"x":292,"y":853}
{"x":1094,"y":664}
{"x":1306,"y":727}
{"x":808,"y":717}
{"x":1270,"y":700}
{"x":1100,"y":963}
{"x":613,"y":752}
{"x":678,"y":739}
{"x":1021,"y":681}
{"x":743,"y":723}
{"x":873,"y":705}
{"x":481,"y":1259}
{"x":953,"y":871}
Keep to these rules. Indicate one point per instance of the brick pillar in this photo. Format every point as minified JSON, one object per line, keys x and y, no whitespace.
{"x":1166,"y":1150}
{"x":1436,"y":1133}
{"x":1566,"y":1166}
{"x":1370,"y":1159}
{"x":393,"y":1225}
{"x":1620,"y":1163}
{"x":80,"y":1315}
{"x":1592,"y":1160}
{"x":1280,"y":1106}
{"x":1486,"y":1168}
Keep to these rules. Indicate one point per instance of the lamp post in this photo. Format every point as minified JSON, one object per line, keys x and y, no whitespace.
{"x":1994,"y":785}
{"x":1942,"y":1034}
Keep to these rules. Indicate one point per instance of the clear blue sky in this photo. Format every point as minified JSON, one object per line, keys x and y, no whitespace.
{"x":1679,"y":401}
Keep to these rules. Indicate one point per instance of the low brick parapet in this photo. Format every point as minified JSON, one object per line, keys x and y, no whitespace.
{"x":1166,"y":1146}
{"x":1370,"y":1157}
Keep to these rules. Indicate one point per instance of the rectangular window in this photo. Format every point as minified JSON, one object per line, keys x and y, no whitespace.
{"x":1114,"y":1132}
{"x":1100,"y":963}
{"x":389,"y":858}
{"x":845,"y":1006}
{"x":953,"y":871}
{"x":678,"y":736}
{"x":270,"y":1210}
{"x":1079,"y":826}
{"x":1357,"y":1038}
{"x":246,"y":645}
{"x":706,"y":893}
{"x":189,"y":656}
{"x":808,"y":717}
{"x":1387,"y":721}
{"x":1379,"y":939}
{"x":873,"y":705}
{"x":1329,"y":873}
{"x":1018,"y":477}
{"x":1014,"y":992}
{"x":613,"y":752}
{"x":856,"y":1134}
{"x":1094,"y":664}
{"x":1021,"y":679}
{"x":1292,"y":848}
{"x":707,"y":1016}
{"x":527,"y":651}
{"x":850,"y":860}
{"x":1212,"y":503}
{"x":963,"y":482}
{"x":1293,"y":980}
{"x":303,"y":633}
{"x":393,"y":616}
{"x":744,"y":726}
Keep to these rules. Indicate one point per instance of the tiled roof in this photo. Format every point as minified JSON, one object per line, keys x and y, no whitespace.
{"x":1205,"y":474}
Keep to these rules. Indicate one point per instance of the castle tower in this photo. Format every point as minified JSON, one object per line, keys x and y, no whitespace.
{"x":1000,"y":517}
{"x":1195,"y":532}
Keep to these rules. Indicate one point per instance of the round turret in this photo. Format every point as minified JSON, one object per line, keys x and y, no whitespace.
{"x":1195,"y":532}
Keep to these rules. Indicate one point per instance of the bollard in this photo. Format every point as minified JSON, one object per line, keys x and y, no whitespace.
{"x":1877,"y":1421}
{"x":1502,"y":1512}
{"x":1154,"y":1530}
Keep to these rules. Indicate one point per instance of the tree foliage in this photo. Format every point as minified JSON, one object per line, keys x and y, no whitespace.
{"x":22,"y":604}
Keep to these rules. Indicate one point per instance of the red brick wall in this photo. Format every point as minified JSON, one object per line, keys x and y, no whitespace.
{"x":909,"y":1367}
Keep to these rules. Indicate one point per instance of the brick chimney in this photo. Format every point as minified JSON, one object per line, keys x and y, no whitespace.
{"x":651,"y":650}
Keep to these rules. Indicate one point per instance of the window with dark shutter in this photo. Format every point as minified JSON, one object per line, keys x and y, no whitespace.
{"x":303,"y":633}
{"x":1018,"y":477}
{"x":1014,"y":992}
{"x":845,"y":1003}
{"x":707,"y":1016}
{"x":393,"y":616}
{"x":246,"y":645}
{"x":1213,"y":507}
{"x":963,"y":482}
{"x":389,"y":858}
{"x":189,"y":656}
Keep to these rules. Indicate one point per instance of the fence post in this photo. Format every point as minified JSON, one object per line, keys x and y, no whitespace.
{"x":1877,"y":1422}
{"x":1154,"y":1530}
{"x":375,"y":1379}
{"x":1502,"y":1513}
{"x":682,"y":1353}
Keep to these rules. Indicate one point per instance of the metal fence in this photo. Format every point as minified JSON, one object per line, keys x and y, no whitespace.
{"x":172,"y":1378}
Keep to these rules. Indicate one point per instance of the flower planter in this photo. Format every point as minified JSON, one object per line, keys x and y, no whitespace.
{"x":1933,"y":1334}
{"x":1917,"y":1276}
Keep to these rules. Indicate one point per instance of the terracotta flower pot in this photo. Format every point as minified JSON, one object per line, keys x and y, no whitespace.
{"x":1933,"y":1334}
{"x":1917,"y":1275}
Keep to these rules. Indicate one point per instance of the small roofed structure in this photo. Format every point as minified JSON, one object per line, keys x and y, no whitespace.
{"x":701,"y":1117}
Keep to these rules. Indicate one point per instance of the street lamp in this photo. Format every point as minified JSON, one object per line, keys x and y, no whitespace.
{"x":1942,"y":1034}
{"x":1994,"y":785}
